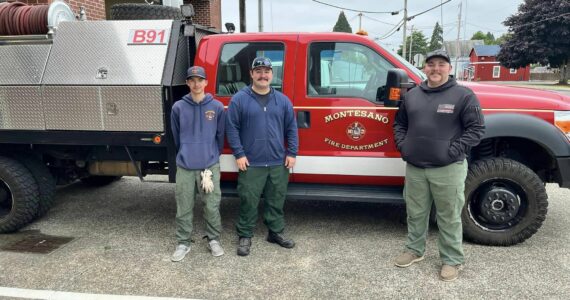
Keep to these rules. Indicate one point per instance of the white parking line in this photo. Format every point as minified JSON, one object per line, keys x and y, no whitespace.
{"x":56,"y":295}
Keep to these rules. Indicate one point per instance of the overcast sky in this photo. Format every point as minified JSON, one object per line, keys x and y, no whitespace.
{"x":307,"y":15}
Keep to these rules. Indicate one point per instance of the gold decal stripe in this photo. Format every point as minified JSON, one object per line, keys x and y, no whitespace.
{"x":356,"y":147}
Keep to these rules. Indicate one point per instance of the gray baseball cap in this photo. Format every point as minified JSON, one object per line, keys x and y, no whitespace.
{"x":438,"y":53}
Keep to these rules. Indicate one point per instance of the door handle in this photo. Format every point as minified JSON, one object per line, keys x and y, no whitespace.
{"x":303,"y":119}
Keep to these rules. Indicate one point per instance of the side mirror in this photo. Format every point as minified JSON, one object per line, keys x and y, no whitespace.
{"x":397,"y":84}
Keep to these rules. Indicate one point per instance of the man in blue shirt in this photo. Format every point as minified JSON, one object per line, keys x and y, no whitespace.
{"x":198,"y":130}
{"x":260,"y":120}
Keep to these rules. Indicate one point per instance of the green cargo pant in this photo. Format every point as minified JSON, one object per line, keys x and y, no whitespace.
{"x":445,"y":187}
{"x":188,"y":184}
{"x":272,"y":182}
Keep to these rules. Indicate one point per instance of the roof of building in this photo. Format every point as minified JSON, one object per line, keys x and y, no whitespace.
{"x":486,"y":50}
{"x":465,"y":47}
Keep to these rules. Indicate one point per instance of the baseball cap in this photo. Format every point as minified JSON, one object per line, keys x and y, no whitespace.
{"x":196,"y":71}
{"x":261,"y":62}
{"x":438,"y":53}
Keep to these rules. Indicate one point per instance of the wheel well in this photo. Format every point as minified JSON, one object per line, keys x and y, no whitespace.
{"x":525,"y":151}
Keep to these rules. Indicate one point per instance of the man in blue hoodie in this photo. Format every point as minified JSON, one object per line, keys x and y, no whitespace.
{"x":198,"y":129}
{"x":260,"y":120}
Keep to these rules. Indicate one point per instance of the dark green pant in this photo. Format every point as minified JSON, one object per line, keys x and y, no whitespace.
{"x":272,"y":182}
{"x":445,"y":187}
{"x":188,"y":184}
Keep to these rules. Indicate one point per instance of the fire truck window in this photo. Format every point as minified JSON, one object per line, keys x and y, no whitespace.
{"x":345,"y":70}
{"x":235,"y":62}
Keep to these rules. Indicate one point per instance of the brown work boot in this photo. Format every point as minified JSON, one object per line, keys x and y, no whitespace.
{"x":449,"y":273}
{"x":406,"y":259}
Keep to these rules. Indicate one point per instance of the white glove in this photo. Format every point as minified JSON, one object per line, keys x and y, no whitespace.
{"x":207,"y":183}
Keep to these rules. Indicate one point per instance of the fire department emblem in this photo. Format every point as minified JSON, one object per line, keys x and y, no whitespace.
{"x":355,"y":131}
{"x":210,"y":114}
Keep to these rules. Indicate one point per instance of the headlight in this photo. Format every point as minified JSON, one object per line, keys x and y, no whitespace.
{"x":562,"y":121}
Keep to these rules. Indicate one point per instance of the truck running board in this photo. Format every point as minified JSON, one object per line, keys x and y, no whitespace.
{"x":349,"y":193}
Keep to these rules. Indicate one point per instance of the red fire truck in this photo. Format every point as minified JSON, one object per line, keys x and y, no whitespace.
{"x":98,"y":108}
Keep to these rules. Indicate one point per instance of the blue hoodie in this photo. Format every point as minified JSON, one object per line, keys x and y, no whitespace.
{"x":259,"y":133}
{"x":198,"y":131}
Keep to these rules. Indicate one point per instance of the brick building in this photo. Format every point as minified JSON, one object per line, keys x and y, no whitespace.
{"x":208,"y":12}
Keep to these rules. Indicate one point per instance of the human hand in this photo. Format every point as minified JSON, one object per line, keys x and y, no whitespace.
{"x":242,"y":163}
{"x":290,"y":162}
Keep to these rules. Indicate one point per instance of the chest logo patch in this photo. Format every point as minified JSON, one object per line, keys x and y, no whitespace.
{"x":445,"y":108}
{"x":355,"y":131}
{"x":210,"y":115}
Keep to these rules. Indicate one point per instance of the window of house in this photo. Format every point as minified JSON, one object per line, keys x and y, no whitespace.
{"x":513,"y":71}
{"x":496,"y":71}
{"x":235,"y":63}
{"x":345,"y":70}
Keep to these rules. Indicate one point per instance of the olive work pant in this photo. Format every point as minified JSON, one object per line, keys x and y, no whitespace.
{"x":272,"y":182}
{"x":445,"y":187}
{"x":188,"y":184}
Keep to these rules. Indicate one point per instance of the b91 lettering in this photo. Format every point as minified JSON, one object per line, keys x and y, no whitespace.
{"x":147,"y":36}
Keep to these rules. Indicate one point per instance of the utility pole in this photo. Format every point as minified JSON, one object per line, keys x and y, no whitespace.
{"x":260,"y":15}
{"x":411,"y":43}
{"x":359,"y":21}
{"x":405,"y":21}
{"x":441,"y":20}
{"x":457,"y":48}
{"x":241,"y":15}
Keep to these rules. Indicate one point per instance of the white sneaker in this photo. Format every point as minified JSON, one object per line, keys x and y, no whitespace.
{"x":215,"y":248}
{"x":180,"y":252}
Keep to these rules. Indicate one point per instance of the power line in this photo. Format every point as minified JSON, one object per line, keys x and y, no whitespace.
{"x":488,"y":29}
{"x":536,"y":22}
{"x":425,"y":11}
{"x":392,"y":31}
{"x":364,"y":11}
{"x":367,"y":17}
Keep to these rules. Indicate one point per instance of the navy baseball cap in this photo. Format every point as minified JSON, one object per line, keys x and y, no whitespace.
{"x":438,"y":53}
{"x":259,"y":62}
{"x":196,"y":71}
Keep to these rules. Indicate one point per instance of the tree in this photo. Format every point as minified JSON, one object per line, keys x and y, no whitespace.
{"x":419,"y":45}
{"x":539,"y":33}
{"x":488,"y":39}
{"x":436,"y":41}
{"x":479,"y":35}
{"x":342,"y":24}
{"x":502,"y":39}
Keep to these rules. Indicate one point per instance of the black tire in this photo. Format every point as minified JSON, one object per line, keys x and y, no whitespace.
{"x":131,"y":11}
{"x":19,"y":205}
{"x":506,"y":202}
{"x":44,"y":179}
{"x":97,"y":181}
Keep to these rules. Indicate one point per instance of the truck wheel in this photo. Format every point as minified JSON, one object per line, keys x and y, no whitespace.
{"x":44,"y":179}
{"x":131,"y":11}
{"x":19,"y":195}
{"x":506,"y":202}
{"x":99,"y":180}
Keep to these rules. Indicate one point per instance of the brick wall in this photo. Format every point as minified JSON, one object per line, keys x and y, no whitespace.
{"x":208,"y":13}
{"x":95,"y":8}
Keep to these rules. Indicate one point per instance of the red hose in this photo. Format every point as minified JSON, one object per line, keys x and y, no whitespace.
{"x":17,"y":18}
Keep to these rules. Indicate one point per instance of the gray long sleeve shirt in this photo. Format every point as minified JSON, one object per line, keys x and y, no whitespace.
{"x":435,"y":127}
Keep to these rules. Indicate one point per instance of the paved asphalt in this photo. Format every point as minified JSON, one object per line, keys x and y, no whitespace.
{"x":124,"y":235}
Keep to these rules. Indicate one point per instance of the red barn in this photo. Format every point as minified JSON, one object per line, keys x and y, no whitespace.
{"x":484,"y":66}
